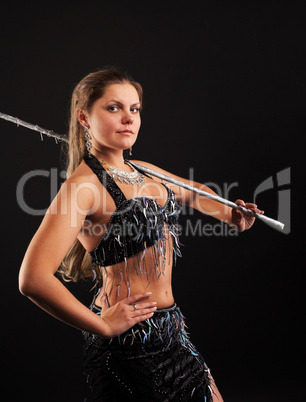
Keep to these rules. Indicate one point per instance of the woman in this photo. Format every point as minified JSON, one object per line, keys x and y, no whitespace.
{"x":118,"y":225}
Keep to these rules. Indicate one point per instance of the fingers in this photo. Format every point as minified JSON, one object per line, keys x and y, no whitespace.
{"x":136,"y":298}
{"x":122,"y":315}
{"x":240,"y":202}
{"x":140,"y":306}
{"x":253,"y":207}
{"x":242,"y":219}
{"x":140,"y":311}
{"x":248,"y":205}
{"x":143,"y":317}
{"x":143,"y":308}
{"x":133,"y":305}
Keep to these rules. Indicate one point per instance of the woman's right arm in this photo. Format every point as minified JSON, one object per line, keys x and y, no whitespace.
{"x":57,"y":232}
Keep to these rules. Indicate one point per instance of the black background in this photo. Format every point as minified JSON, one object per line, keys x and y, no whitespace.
{"x":224,"y":94}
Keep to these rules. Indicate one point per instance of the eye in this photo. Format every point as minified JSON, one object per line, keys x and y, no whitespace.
{"x":113,"y":108}
{"x":135,"y":109}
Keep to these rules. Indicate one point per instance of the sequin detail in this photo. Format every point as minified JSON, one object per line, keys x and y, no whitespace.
{"x":136,"y":225}
{"x":153,"y":360}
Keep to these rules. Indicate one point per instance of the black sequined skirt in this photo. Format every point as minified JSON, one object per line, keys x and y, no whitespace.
{"x":152,"y":361}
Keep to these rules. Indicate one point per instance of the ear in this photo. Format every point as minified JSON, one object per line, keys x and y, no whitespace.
{"x":82,"y":117}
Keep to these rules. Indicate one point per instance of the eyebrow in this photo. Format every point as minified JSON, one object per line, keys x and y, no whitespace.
{"x":120,"y":103}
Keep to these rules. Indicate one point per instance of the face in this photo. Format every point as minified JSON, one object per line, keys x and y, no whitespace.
{"x":114,"y":119}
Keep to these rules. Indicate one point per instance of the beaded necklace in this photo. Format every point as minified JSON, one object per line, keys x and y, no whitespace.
{"x":134,"y":178}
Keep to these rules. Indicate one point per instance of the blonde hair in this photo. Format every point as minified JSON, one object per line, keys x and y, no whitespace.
{"x":77,"y":264}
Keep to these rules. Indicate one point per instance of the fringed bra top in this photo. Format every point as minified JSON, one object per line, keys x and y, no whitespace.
{"x":137,"y":224}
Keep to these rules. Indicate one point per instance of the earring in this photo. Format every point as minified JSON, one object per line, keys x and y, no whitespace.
{"x":130,"y":151}
{"x":87,"y":139}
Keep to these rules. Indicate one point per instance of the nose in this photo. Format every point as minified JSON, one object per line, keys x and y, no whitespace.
{"x":127,"y":118}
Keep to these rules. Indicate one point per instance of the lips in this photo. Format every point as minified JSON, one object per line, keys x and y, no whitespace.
{"x":126,"y":132}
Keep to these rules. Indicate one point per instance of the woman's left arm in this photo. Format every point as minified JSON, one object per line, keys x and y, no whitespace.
{"x":231,"y":216}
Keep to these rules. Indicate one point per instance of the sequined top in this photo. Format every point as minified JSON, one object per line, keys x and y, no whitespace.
{"x":137,"y":224}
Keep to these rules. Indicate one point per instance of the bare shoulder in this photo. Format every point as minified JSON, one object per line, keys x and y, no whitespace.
{"x":82,"y":173}
{"x":82,"y":187}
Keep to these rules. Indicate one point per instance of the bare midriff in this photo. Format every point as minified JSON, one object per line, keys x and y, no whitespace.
{"x":125,"y":279}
